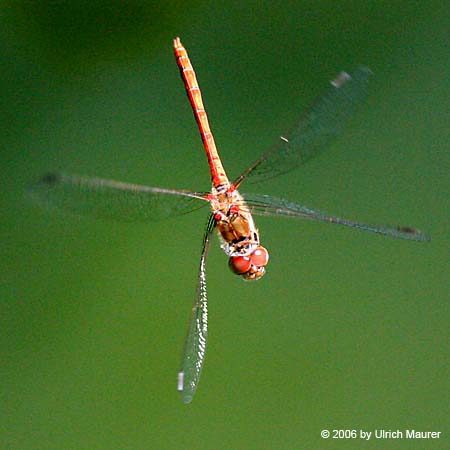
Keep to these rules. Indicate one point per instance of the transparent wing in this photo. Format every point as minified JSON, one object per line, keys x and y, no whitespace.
{"x":265,"y":205}
{"x":108,"y":199}
{"x":316,"y":128}
{"x":195,"y":343}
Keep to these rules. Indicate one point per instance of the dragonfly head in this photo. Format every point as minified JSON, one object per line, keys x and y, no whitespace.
{"x":252,"y":266}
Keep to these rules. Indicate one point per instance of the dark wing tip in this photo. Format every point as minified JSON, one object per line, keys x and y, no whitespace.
{"x":50,"y":178}
{"x":414,"y":232}
{"x":37,"y":191}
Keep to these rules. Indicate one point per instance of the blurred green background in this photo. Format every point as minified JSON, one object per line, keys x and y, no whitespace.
{"x":347,"y":330}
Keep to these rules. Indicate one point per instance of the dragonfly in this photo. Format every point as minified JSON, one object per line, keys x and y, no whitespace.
{"x":231,"y":213}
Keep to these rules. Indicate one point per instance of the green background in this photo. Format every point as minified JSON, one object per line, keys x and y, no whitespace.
{"x":348,"y":330}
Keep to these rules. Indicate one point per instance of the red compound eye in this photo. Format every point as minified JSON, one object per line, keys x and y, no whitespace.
{"x":243,"y":264}
{"x":260,"y":257}
{"x":239,"y":264}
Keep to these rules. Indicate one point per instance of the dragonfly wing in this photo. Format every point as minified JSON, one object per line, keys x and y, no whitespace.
{"x":108,"y":199}
{"x":265,"y":205}
{"x":316,"y":128}
{"x":195,"y":343}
